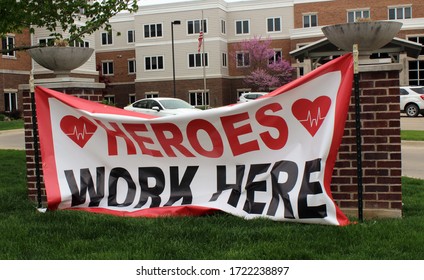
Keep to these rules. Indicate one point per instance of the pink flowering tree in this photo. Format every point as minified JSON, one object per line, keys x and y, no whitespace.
{"x":265,"y":71}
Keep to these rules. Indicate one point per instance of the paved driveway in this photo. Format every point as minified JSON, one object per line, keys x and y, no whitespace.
{"x":12,"y":139}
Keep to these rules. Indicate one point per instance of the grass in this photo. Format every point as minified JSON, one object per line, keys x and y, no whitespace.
{"x":412,"y":135}
{"x":13,"y":124}
{"x":27,"y":234}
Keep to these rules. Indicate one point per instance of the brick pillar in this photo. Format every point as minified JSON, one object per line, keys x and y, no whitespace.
{"x":89,"y":91}
{"x":381,"y":147}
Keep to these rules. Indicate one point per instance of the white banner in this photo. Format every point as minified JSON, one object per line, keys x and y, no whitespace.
{"x":272,"y":157}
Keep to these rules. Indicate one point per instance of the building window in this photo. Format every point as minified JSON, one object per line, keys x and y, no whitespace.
{"x":242,"y":59}
{"x":418,"y":39}
{"x":278,"y":54}
{"x":131,"y":36}
{"x":353,"y":16}
{"x":107,"y":38}
{"x":416,"y":72}
{"x":194,"y":27}
{"x":46,"y":41}
{"x":223,"y":27}
{"x":416,"y":67}
{"x":8,"y":43}
{"x":153,"y":30}
{"x":151,"y":94}
{"x":82,"y":44}
{"x":199,"y":98}
{"x":195,"y":60}
{"x":131,"y":98}
{"x":10,"y":102}
{"x":109,"y":99}
{"x":274,"y":24}
{"x":107,"y":68}
{"x":153,"y":63}
{"x":310,"y":20}
{"x":243,"y":90}
{"x":224,"y":60}
{"x":242,"y":27}
{"x":400,"y":12}
{"x":131,"y":66}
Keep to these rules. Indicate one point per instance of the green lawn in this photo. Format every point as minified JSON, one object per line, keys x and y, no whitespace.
{"x":412,"y":135}
{"x":27,"y":234}
{"x":14,"y":124}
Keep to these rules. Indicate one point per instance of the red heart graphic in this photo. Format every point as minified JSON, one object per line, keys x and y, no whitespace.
{"x":311,"y":114}
{"x":79,"y":130}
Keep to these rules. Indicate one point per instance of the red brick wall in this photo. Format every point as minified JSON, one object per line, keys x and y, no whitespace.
{"x":120,"y":64}
{"x":89,"y":94}
{"x":381,"y":149}
{"x":334,"y":12}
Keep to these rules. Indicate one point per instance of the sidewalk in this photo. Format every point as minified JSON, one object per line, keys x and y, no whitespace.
{"x":12,"y":139}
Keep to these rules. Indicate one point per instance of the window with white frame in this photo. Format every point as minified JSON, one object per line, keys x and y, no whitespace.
{"x":223,"y":27}
{"x":46,"y":41}
{"x":310,"y":20}
{"x":242,"y":27}
{"x":418,"y":39}
{"x":277,"y":56}
{"x":400,"y":12}
{"x":152,"y":94}
{"x":7,"y":44}
{"x":199,"y":98}
{"x":354,"y":15}
{"x":242,"y":59}
{"x":194,"y":26}
{"x":131,"y":66}
{"x":224,"y":60}
{"x":130,"y":36}
{"x":107,"y":68}
{"x":107,"y":38}
{"x":195,"y":60}
{"x":10,"y":101}
{"x":153,"y":30}
{"x":416,"y":67}
{"x":109,"y":99}
{"x":273,"y":24}
{"x":152,"y":63}
{"x":82,"y":44}
{"x":240,"y":91}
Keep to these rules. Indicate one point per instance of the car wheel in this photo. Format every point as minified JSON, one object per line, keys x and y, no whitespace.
{"x":411,"y":110}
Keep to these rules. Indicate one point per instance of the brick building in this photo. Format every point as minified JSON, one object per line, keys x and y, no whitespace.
{"x":14,"y":70}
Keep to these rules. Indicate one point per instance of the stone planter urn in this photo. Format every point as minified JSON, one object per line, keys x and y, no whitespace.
{"x":61,"y":60}
{"x":368,"y":35}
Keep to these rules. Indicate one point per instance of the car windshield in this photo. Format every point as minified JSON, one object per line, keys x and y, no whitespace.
{"x":419,"y":90}
{"x":175,"y":104}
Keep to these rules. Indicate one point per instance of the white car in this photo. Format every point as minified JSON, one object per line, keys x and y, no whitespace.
{"x":249,"y":96}
{"x":162,"y":106}
{"x":412,"y":100}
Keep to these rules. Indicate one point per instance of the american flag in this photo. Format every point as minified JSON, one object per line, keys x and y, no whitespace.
{"x":200,"y":39}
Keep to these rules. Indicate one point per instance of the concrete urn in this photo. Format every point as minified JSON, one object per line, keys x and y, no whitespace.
{"x":61,"y":60}
{"x":369,"y":35}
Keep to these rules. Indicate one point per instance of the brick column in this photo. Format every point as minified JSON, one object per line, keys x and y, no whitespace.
{"x":381,"y":147}
{"x":90,"y":91}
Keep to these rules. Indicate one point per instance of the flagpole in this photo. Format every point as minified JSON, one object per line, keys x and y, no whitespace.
{"x":203,"y":61}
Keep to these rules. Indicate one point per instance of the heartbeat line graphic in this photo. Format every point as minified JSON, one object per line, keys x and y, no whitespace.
{"x":311,"y":120}
{"x":80,"y":135}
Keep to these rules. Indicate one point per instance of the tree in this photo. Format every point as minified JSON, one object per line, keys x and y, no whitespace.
{"x":265,"y":72}
{"x":60,"y":16}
